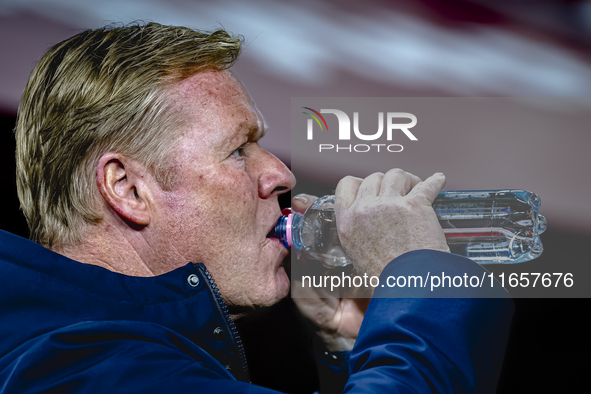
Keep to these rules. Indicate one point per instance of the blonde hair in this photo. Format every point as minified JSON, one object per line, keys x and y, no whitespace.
{"x":103,"y":90}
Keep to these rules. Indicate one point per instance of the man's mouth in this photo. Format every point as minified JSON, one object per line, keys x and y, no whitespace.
{"x":272,"y":233}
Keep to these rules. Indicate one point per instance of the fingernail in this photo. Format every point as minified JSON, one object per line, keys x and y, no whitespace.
{"x":302,"y":198}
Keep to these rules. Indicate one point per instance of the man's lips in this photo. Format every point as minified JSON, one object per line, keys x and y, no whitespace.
{"x":271,"y":233}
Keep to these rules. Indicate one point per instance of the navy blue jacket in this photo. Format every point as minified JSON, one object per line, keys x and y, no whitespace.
{"x":72,"y":327}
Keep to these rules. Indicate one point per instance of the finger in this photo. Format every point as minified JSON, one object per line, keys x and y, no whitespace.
{"x":429,"y":188}
{"x":414,"y":180}
{"x":370,"y":185}
{"x":346,"y":192}
{"x":411,"y":181}
{"x":397,"y":182}
{"x":302,"y":201}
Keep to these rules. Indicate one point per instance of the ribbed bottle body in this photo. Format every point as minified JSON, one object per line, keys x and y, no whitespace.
{"x":489,"y":227}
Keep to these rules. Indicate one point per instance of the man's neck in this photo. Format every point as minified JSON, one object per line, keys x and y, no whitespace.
{"x":109,"y":250}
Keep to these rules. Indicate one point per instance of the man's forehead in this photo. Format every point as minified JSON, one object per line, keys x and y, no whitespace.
{"x":212,"y":87}
{"x":213,"y":93}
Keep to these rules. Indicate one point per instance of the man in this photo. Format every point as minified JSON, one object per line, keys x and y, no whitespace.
{"x":140,"y":175}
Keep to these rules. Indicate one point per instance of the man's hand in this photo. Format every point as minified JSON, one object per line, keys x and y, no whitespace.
{"x":385,"y":215}
{"x":336,"y":321}
{"x":378,"y":219}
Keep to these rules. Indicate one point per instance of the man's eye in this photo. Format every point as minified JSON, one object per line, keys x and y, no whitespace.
{"x":238,"y":152}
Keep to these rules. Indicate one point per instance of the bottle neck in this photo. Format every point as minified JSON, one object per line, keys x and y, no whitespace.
{"x":295,"y":227}
{"x":287,"y":230}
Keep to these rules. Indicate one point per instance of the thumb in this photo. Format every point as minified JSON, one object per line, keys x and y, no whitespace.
{"x":429,"y":188}
{"x":301,"y":202}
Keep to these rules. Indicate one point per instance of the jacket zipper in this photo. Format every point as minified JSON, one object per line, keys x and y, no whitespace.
{"x":233,"y":330}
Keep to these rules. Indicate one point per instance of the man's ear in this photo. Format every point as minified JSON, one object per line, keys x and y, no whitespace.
{"x":123,"y":184}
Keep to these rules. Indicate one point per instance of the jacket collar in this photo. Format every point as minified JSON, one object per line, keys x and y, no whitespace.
{"x":44,"y":290}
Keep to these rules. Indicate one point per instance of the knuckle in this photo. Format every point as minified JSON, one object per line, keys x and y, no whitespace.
{"x":396,"y":171}
{"x":409,"y":174}
{"x":376,"y":175}
{"x":347,"y":179}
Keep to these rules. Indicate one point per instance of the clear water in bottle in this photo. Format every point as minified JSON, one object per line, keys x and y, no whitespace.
{"x":493,"y":226}
{"x":489,"y":227}
{"x":317,"y":235}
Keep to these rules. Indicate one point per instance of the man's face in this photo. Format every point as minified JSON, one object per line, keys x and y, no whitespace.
{"x":224,"y":200}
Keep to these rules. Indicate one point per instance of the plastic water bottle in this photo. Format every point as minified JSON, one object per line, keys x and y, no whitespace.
{"x":489,"y":227}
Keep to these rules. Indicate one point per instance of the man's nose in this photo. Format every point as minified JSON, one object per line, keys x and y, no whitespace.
{"x":275,"y":178}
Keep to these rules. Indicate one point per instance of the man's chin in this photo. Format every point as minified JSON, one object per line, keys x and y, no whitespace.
{"x":281,"y":290}
{"x":283,"y":283}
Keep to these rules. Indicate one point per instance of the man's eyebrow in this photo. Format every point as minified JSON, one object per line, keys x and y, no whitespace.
{"x":252,"y":132}
{"x":257,"y":132}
